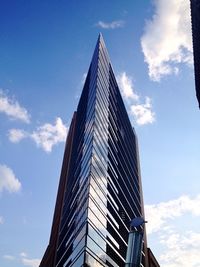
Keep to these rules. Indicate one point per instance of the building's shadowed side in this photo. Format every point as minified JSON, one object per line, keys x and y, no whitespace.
{"x":152,"y":260}
{"x":48,"y":259}
{"x":195,"y":16}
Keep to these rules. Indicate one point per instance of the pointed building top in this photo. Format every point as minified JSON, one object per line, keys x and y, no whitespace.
{"x":100,"y":46}
{"x":100,"y":39}
{"x":100,"y":36}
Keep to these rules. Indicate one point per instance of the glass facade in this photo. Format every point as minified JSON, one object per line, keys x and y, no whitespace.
{"x":103,"y":187}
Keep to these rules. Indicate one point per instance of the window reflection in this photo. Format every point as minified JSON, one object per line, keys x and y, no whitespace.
{"x":92,"y":262}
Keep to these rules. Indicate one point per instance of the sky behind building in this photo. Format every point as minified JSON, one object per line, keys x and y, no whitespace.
{"x":45,"y":51}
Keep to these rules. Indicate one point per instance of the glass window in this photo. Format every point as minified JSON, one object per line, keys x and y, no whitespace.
{"x":91,"y":244}
{"x":92,"y":262}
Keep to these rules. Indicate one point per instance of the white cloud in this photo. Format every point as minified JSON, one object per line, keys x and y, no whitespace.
{"x":24,"y":259}
{"x":9,"y":257}
{"x":181,"y":249}
{"x":31,"y":262}
{"x":12,"y":108}
{"x":158,"y":215}
{"x":167,"y":40}
{"x":45,"y":136}
{"x":27,"y":261}
{"x":169,"y":224}
{"x":111,"y":25}
{"x":188,"y":239}
{"x":143,"y":113}
{"x":23,"y":255}
{"x":16,"y":135}
{"x":48,"y":135}
{"x":8,"y":181}
{"x":126,"y":85}
{"x":1,"y":220}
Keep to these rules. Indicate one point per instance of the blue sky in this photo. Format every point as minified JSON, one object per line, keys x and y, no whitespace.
{"x":45,"y":51}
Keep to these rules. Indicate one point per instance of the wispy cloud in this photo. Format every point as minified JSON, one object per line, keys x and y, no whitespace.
{"x":26,"y":261}
{"x":9,"y":257}
{"x":23,"y":255}
{"x":180,"y":245}
{"x":127,"y":88}
{"x":8,"y":181}
{"x":142,"y":112}
{"x":111,"y":25}
{"x":16,"y":135}
{"x":158,"y":214}
{"x":12,"y":108}
{"x":181,"y":249}
{"x":167,"y":40}
{"x":48,"y":135}
{"x":45,"y":136}
{"x":31,"y":262}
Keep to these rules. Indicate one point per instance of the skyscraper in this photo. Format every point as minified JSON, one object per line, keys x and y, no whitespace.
{"x":195,"y":15}
{"x":100,"y":187}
